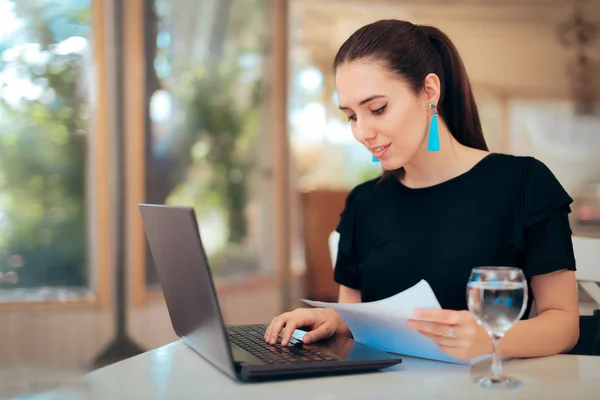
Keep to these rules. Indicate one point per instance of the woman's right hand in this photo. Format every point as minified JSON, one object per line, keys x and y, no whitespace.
{"x":323,"y":323}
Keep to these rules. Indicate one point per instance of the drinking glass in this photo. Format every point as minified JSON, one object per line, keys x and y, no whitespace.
{"x":497,"y":299}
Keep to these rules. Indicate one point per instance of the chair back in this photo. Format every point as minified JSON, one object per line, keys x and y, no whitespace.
{"x":587,"y":257}
{"x":334,"y":241}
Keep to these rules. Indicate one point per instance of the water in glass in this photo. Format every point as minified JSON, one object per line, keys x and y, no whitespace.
{"x":497,"y":299}
{"x":496,"y":305}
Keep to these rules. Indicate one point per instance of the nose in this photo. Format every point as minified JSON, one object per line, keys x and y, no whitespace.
{"x":364,"y":130}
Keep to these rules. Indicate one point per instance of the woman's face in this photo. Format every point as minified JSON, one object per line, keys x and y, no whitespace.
{"x":385,"y":114}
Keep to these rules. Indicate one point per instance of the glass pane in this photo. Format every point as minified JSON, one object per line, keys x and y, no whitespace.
{"x":207,"y":135}
{"x":44,"y":127}
{"x":327,"y":153}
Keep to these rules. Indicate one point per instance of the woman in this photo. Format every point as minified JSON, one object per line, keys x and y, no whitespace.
{"x":444,"y":204}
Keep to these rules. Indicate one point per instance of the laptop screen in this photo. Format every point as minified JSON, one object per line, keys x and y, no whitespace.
{"x":186,"y":282}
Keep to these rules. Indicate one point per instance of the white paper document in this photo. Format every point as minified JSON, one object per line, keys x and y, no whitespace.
{"x":382,"y":324}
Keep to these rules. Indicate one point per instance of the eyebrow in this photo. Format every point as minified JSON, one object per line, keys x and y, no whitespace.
{"x":365,"y":101}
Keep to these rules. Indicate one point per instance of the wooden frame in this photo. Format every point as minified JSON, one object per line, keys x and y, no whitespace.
{"x":135,"y":158}
{"x":101,"y":140}
{"x":99,"y":218}
{"x":281,"y":148}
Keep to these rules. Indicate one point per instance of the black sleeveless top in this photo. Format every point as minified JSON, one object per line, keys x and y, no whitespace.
{"x":505,"y":211}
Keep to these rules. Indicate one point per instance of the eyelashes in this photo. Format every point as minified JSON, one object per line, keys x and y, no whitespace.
{"x":379,"y":111}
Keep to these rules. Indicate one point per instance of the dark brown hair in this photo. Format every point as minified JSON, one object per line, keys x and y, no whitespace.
{"x":413,"y":52}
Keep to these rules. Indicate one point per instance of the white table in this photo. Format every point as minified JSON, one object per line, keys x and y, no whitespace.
{"x":175,"y":371}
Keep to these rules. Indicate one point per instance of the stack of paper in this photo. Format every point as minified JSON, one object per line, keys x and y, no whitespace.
{"x":382,"y":324}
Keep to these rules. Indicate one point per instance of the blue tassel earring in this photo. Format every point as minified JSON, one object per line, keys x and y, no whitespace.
{"x":434,"y":136}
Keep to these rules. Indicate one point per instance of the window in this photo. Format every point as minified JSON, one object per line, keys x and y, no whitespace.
{"x":206,"y":131}
{"x":46,"y":70}
{"x":326,"y":152}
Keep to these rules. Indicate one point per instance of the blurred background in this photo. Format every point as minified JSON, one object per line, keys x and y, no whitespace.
{"x":229,"y":106}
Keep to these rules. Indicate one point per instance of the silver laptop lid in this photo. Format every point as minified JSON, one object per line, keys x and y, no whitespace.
{"x":187,"y":284}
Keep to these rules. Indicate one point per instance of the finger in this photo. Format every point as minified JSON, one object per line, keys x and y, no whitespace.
{"x":273,"y":322}
{"x":450,"y":317}
{"x":448,"y":349}
{"x":276,"y":327}
{"x":434,"y":328}
{"x":455,"y":352}
{"x":443,"y":341}
{"x":322,"y":332}
{"x":267,"y":332}
{"x":269,"y":328}
{"x":300,"y":318}
{"x":289,"y":329}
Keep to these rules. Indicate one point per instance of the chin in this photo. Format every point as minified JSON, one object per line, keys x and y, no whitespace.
{"x":392,"y":165}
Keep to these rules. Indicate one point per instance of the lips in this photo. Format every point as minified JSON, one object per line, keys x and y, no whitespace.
{"x":379,"y":151}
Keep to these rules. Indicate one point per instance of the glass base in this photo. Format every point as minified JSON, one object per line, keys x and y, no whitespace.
{"x":503,"y":383}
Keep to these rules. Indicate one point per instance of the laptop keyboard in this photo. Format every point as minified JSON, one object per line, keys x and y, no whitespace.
{"x":251,"y":339}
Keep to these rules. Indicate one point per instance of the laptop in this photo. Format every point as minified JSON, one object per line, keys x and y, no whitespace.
{"x":239,"y":351}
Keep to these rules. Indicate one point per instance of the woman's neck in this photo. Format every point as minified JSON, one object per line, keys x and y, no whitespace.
{"x":431,"y":168}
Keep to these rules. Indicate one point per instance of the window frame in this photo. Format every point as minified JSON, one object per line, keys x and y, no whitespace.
{"x":135,"y":157}
{"x":98,"y":185}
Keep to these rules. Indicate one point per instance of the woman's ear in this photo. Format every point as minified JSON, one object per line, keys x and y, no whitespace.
{"x":432,"y":89}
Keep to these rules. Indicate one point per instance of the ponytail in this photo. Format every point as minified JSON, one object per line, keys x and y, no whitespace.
{"x":457,"y":105}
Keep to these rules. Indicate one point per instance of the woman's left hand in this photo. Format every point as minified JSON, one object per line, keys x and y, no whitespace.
{"x":455,"y":332}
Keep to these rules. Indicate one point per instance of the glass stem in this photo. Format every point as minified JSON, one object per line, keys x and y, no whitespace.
{"x":496,"y":359}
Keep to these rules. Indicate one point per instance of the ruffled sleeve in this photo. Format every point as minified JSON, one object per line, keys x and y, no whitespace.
{"x":346,"y":265}
{"x":542,"y":231}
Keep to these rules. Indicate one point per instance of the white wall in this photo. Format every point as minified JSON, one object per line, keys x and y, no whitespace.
{"x":511,"y":56}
